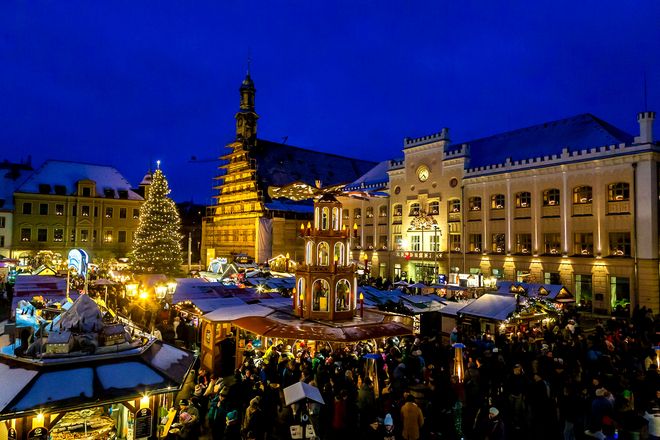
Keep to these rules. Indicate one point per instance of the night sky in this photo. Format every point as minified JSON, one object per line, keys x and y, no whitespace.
{"x":126,"y":83}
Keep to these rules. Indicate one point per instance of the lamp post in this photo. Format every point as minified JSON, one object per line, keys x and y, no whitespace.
{"x":421,"y":222}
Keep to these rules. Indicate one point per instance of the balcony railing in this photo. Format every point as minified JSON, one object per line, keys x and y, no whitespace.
{"x":582,"y":209}
{"x":618,"y":207}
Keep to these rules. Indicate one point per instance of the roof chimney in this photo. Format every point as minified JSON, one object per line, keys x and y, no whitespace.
{"x":645,"y":120}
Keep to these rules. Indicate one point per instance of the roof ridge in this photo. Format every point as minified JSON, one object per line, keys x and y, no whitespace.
{"x":315,"y":151}
{"x":526,"y":129}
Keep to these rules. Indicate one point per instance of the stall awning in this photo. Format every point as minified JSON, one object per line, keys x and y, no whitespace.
{"x":491,"y":306}
{"x":227,"y":314}
{"x":56,"y":385}
{"x":282,"y":325}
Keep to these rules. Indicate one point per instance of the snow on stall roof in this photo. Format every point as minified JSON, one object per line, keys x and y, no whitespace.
{"x":230,"y":313}
{"x":491,"y":306}
{"x":12,"y":381}
{"x":127,"y":375}
{"x":56,"y":386}
{"x":167,"y":356}
{"x":57,"y":172}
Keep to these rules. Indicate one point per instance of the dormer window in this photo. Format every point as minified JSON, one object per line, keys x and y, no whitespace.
{"x":109,"y":193}
{"x":60,"y":190}
{"x":87,"y":191}
{"x":44,"y":188}
{"x":123,"y":193}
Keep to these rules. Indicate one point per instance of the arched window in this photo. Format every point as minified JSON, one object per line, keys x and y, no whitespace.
{"x":370,"y":212}
{"x":339,"y":256}
{"x":325,"y":215}
{"x":335,"y":219}
{"x":309,"y":253}
{"x":497,"y":201}
{"x":414,"y":209}
{"x":323,"y":253}
{"x":320,"y":294}
{"x":618,"y":192}
{"x":434,"y":208}
{"x":301,"y":290}
{"x":382,"y":211}
{"x":551,"y":197}
{"x":397,"y":210}
{"x":582,"y":195}
{"x":454,"y":205}
{"x":357,"y":213}
{"x":316,"y":217}
{"x":474,"y":203}
{"x":523,"y":199}
{"x":343,"y":296}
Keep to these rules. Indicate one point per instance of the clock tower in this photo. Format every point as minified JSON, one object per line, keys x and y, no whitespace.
{"x":246,"y":118}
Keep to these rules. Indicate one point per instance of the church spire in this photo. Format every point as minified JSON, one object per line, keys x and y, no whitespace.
{"x":246,"y":118}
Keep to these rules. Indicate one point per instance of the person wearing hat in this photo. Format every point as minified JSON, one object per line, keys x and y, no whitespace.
{"x":189,"y":420}
{"x":387,"y":431}
{"x":232,"y":427}
{"x":495,"y":429}
{"x":254,"y":420}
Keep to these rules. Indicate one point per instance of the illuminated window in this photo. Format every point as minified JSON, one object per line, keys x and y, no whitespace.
{"x":108,"y":212}
{"x":582,"y":195}
{"x":108,"y":237}
{"x":343,"y":293}
{"x":325,"y":216}
{"x":475,"y":243}
{"x":320,"y":294}
{"x":498,"y":243}
{"x":370,"y":212}
{"x":584,"y":243}
{"x":618,"y":192}
{"x":414,"y":209}
{"x":434,"y":208}
{"x":620,"y":244}
{"x":455,"y":242}
{"x":523,"y":243}
{"x":136,"y":213}
{"x":497,"y":201}
{"x":335,"y":219}
{"x":323,"y":253}
{"x":455,"y":205}
{"x":357,"y":213}
{"x":309,"y":253}
{"x":59,"y":209}
{"x":58,"y":234}
{"x":26,"y":234}
{"x":552,"y":244}
{"x":84,"y":211}
{"x":523,"y":199}
{"x":382,"y":211}
{"x":397,"y":210}
{"x":84,"y":235}
{"x":474,"y":203}
{"x":551,"y":197}
{"x":415,"y":243}
{"x":339,"y":256}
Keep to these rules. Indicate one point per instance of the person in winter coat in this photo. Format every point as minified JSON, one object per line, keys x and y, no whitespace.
{"x":254,"y":420}
{"x":366,"y":403}
{"x":495,"y":427}
{"x":387,"y":430}
{"x":411,"y":418}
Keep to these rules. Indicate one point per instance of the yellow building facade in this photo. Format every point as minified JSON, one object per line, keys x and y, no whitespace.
{"x":571,"y":202}
{"x":65,"y":205}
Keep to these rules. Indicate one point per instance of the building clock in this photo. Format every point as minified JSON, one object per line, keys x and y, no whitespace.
{"x":423,"y":173}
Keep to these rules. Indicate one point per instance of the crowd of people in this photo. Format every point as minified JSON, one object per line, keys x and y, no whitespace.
{"x":553,"y":380}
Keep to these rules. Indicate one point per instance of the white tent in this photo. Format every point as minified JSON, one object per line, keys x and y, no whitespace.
{"x":300,"y":391}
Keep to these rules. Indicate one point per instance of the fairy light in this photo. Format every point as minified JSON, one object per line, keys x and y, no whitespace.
{"x":157,"y":244}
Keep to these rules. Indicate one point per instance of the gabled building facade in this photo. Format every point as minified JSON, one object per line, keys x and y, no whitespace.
{"x":65,"y":205}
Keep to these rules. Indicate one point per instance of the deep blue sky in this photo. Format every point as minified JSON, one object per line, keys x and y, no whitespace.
{"x":128,"y":82}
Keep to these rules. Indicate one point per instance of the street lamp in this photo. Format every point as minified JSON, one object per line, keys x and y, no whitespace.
{"x":421,"y":222}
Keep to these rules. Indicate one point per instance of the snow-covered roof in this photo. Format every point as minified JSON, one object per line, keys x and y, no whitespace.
{"x":375,"y":177}
{"x":59,"y":385}
{"x":491,"y":306}
{"x":575,"y":133}
{"x":67,"y":174}
{"x":83,"y":315}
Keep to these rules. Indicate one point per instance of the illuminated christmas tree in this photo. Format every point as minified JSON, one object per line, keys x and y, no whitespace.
{"x":157,"y":244}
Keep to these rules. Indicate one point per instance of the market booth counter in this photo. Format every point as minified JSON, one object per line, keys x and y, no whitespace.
{"x":118,"y":389}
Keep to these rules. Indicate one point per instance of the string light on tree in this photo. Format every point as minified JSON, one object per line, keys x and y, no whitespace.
{"x":157,"y":243}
